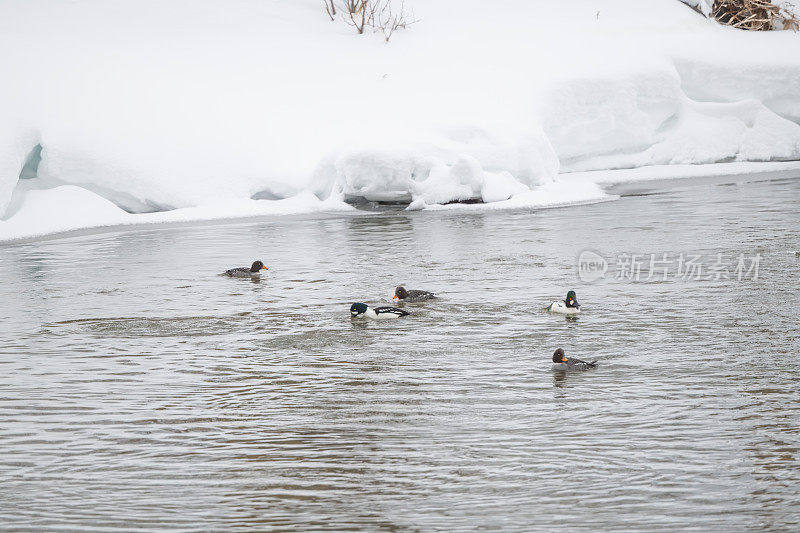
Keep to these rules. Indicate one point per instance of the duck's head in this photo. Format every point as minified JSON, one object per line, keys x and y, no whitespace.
{"x":559,"y":357}
{"x":401,"y":293}
{"x":257,"y":266}
{"x":358,"y":309}
{"x":572,"y":299}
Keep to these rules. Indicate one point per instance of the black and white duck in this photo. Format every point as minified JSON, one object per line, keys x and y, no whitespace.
{"x":567,"y":306}
{"x":359,"y":310}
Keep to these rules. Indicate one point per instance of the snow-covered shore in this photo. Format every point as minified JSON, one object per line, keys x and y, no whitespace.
{"x":188,"y":110}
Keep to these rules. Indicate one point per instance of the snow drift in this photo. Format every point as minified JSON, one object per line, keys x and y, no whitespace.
{"x":124,"y":111}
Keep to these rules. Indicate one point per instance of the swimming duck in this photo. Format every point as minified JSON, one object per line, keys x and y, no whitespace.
{"x":359,"y":309}
{"x":400,"y":293}
{"x":243,"y":272}
{"x":569,"y":306}
{"x":562,"y":362}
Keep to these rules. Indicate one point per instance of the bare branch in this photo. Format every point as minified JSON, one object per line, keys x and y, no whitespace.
{"x":388,"y":19}
{"x":330,"y":8}
{"x":380,"y":15}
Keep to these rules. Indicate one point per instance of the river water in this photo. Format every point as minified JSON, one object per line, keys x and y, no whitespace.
{"x":140,"y":389}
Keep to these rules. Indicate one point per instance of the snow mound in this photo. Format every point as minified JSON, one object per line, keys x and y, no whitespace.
{"x":454,"y":165}
{"x":645,"y":118}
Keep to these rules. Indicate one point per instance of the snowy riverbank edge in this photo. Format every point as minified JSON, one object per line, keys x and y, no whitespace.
{"x":97,"y":215}
{"x":121,"y":112}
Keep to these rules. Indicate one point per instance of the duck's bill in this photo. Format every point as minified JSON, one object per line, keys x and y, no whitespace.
{"x":264,"y":268}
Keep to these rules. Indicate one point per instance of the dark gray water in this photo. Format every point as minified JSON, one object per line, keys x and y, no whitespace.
{"x":139,"y":389}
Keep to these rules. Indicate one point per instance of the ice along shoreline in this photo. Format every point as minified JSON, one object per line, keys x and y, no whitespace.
{"x":612,"y":183}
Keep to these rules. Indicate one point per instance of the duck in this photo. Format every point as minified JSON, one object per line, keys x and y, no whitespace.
{"x":400,"y":293}
{"x":254,"y":271}
{"x":569,"y":306}
{"x":562,"y":362}
{"x":359,"y":309}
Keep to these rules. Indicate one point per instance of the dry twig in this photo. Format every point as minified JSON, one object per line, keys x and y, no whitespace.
{"x":330,"y":8}
{"x":755,"y":14}
{"x":357,"y":13}
{"x":388,"y":20}
{"x":380,"y":15}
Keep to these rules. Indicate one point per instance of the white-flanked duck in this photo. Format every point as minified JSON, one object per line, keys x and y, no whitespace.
{"x":562,"y":362}
{"x":254,"y":271}
{"x":359,"y":309}
{"x":567,"y":306}
{"x":400,"y":293}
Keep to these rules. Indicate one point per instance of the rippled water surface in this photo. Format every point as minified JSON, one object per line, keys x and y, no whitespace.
{"x":140,"y":389}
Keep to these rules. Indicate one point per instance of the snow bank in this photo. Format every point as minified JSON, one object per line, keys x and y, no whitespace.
{"x":460,"y":164}
{"x":70,"y":208}
{"x":16,"y":145}
{"x":203,"y":108}
{"x":640,"y":178}
{"x":705,"y":6}
{"x":553,"y":194}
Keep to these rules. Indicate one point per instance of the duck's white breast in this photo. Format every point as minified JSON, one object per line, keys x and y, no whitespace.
{"x":562,"y":309}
